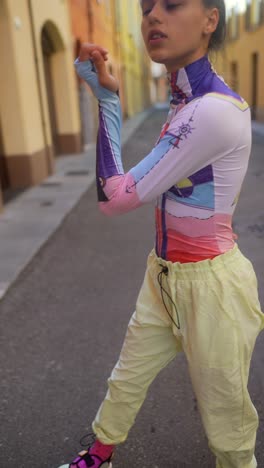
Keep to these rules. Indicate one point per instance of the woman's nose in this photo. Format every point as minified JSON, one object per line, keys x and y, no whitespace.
{"x":155,"y":15}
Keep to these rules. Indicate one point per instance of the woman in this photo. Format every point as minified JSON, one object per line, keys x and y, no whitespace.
{"x":199,"y":294}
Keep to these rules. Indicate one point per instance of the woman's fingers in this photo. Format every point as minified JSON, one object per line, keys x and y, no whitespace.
{"x":98,"y":55}
{"x":98,"y":60}
{"x":87,"y":49}
{"x":105,"y":79}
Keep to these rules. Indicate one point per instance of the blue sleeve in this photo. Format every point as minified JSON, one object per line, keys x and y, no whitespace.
{"x":108,"y":149}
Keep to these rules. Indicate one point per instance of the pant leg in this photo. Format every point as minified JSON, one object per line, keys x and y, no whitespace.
{"x":148,"y":347}
{"x":219,"y":339}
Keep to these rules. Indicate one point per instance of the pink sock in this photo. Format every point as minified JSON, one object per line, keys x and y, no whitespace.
{"x":103,"y":451}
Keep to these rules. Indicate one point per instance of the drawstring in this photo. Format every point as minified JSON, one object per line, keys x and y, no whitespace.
{"x":165,"y":271}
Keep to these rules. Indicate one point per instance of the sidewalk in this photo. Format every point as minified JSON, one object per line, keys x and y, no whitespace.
{"x":28,"y":221}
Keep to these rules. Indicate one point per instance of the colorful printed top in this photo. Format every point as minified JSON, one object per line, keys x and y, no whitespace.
{"x":194,"y":172}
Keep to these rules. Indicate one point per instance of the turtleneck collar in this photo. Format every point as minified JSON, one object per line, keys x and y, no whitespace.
{"x":190,"y":81}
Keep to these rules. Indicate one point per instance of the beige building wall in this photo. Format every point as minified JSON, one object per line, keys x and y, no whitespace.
{"x":18,"y":97}
{"x":37,"y":93}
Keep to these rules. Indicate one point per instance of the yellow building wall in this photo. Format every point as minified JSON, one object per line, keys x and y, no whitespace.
{"x":28,"y":129}
{"x":19,"y":94}
{"x":240,"y":51}
{"x":65,"y":96}
{"x":24,"y":112}
{"x":131,"y":50}
{"x":23,"y":70}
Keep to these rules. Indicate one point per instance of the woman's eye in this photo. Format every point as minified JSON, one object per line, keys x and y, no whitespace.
{"x":146,"y":12}
{"x":171,"y":6}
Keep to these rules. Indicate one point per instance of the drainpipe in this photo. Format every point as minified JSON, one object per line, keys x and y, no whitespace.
{"x":41,"y":105}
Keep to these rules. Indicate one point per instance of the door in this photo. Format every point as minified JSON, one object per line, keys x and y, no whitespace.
{"x":255,"y":66}
{"x":48,"y":50}
{"x":4,"y":181}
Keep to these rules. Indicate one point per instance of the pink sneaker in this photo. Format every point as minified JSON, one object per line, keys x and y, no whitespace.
{"x":98,"y":455}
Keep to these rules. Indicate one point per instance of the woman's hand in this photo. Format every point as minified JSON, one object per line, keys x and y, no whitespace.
{"x":98,"y":55}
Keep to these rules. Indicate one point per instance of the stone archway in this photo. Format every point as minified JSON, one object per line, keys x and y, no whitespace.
{"x":60,"y":94}
{"x":51,"y":44}
{"x":4,"y":180}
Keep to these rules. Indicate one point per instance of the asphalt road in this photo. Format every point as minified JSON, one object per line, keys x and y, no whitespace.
{"x":63,"y":323}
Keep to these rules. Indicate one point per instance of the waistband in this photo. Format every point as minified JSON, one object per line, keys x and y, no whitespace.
{"x":204,"y":267}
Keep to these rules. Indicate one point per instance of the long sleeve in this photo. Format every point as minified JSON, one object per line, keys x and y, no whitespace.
{"x":108,"y":161}
{"x":206,"y":130}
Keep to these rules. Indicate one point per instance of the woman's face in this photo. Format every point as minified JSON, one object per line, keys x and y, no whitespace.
{"x":177,"y":32}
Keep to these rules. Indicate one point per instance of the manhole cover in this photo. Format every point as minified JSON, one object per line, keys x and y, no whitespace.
{"x":47,"y":203}
{"x":50,"y":184}
{"x":77,"y":173}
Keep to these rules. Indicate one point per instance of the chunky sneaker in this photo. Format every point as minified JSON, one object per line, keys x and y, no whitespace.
{"x":98,"y":455}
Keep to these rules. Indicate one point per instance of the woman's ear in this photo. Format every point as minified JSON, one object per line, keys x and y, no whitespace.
{"x":212,"y":20}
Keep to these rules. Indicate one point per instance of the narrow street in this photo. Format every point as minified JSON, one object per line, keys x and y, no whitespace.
{"x":63,"y":324}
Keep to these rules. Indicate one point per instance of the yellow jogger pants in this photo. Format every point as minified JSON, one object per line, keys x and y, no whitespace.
{"x":209,"y":310}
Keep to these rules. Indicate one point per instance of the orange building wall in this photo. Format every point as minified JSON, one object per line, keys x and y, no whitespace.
{"x":94,"y":22}
{"x":79,"y":19}
{"x":103,"y":30}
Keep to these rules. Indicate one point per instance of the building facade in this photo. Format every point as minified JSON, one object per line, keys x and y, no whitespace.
{"x":135,"y":72}
{"x":45,"y":110}
{"x":241,"y":63}
{"x":39,"y":115}
{"x":115,"y":25}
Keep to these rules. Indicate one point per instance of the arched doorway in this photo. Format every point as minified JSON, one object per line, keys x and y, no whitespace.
{"x":51,"y":44}
{"x":4,"y":180}
{"x":7,"y":193}
{"x":60,"y":107}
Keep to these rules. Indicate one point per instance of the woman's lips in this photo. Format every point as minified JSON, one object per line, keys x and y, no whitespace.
{"x":157,"y":40}
{"x":156,"y":37}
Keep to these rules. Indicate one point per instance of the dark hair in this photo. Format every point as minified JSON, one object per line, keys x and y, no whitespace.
{"x":218,"y":36}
